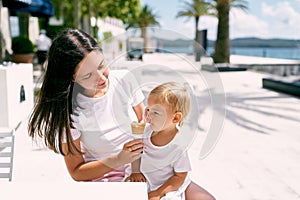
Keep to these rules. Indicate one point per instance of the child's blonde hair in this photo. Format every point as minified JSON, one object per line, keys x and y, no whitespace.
{"x":175,"y":96}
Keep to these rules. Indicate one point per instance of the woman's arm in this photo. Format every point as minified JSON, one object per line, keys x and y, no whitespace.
{"x":79,"y":169}
{"x":139,"y":111}
{"x":172,"y":184}
{"x":86,"y":171}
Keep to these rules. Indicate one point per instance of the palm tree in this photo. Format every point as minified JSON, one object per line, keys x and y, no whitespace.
{"x":195,"y":9}
{"x":72,"y":11}
{"x":222,"y":45}
{"x":146,"y":18}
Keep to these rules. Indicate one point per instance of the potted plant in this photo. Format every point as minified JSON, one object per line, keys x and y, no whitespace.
{"x":23,"y":50}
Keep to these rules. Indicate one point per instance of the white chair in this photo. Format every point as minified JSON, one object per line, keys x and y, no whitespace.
{"x":7,"y":141}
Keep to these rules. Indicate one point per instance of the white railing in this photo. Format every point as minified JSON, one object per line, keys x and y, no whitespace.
{"x":7,"y":142}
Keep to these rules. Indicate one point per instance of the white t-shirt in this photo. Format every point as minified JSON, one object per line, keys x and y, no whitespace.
{"x":103,"y":124}
{"x":43,"y":43}
{"x":158,"y":163}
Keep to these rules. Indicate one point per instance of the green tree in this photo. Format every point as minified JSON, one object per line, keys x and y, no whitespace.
{"x":120,"y":9}
{"x":146,"y":18}
{"x":222,"y":45}
{"x":195,"y":9}
{"x":74,"y":11}
{"x":66,"y":9}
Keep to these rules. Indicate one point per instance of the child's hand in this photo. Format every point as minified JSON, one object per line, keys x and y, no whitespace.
{"x":153,"y":195}
{"x":136,"y":177}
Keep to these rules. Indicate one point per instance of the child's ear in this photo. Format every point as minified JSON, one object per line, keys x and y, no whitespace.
{"x":177,"y":117}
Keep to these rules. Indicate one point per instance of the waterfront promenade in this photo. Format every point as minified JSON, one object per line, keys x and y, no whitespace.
{"x":257,"y":155}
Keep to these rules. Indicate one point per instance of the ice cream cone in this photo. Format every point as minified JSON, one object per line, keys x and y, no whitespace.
{"x":137,"y":127}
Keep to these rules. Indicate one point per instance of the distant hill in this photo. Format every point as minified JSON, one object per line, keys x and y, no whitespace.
{"x":257,"y":42}
{"x":239,"y":42}
{"x":175,"y":43}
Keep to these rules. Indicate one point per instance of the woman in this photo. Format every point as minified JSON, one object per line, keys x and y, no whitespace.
{"x":75,"y":112}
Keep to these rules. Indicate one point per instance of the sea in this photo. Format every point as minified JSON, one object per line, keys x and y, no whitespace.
{"x":282,"y":53}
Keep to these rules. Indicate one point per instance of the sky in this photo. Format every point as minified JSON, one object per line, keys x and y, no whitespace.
{"x":263,"y":19}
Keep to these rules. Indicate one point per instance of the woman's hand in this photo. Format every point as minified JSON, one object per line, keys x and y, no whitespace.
{"x":132,"y":151}
{"x":134,"y":146}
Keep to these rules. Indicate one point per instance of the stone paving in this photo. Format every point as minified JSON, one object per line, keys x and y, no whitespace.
{"x":256,"y":155}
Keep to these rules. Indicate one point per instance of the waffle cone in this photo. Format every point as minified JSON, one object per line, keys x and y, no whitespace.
{"x":137,"y":128}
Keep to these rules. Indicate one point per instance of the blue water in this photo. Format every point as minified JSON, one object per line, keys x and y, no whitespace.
{"x":284,"y":53}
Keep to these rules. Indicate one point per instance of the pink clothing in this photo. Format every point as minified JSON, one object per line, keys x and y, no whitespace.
{"x":116,"y":175}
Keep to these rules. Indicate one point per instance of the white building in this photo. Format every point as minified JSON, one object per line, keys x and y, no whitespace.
{"x":114,"y":46}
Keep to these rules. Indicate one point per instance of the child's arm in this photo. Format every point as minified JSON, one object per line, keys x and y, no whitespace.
{"x":135,"y":166}
{"x":136,"y":175}
{"x":171,"y":184}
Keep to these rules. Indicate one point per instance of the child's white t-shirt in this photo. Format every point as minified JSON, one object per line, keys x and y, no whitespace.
{"x":158,"y":163}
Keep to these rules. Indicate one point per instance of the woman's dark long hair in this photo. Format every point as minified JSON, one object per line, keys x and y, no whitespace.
{"x":51,"y":117}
